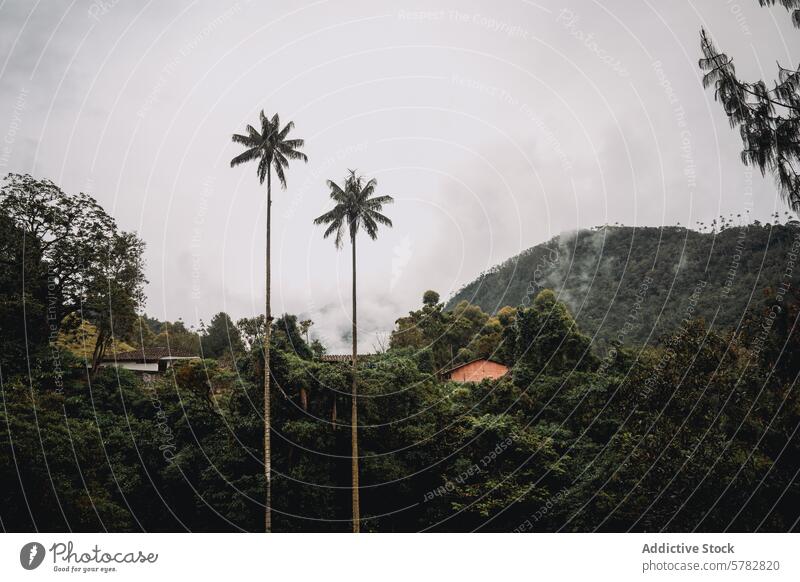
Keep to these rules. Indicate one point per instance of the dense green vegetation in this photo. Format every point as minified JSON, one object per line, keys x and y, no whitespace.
{"x":604,"y":275}
{"x":695,"y":430}
{"x":699,"y":432}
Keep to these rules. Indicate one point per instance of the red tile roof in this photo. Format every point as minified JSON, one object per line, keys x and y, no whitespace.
{"x":472,"y":361}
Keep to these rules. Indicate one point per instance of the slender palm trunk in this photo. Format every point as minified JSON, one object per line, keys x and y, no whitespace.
{"x":354,"y":412}
{"x":267,"y":373}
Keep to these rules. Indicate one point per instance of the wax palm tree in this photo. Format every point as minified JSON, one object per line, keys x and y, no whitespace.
{"x":356,"y":207}
{"x":271,"y":148}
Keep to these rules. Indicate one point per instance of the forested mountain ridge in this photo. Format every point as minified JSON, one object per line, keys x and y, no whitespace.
{"x":606,"y":274}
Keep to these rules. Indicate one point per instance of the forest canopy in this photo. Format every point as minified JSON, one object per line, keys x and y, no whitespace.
{"x":693,"y":429}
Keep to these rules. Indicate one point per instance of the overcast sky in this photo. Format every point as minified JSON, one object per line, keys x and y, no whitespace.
{"x":495,"y":125}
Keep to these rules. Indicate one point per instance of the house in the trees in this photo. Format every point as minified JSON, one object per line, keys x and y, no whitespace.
{"x":476,"y":370}
{"x":344,"y":358}
{"x":151,"y":360}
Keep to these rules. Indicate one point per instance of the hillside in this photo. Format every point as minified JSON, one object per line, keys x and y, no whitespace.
{"x":634,"y":283}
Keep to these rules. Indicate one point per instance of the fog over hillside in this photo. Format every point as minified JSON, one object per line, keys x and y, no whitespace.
{"x":633,"y":284}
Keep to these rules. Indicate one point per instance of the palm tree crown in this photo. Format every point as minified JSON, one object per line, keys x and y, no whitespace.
{"x":270,"y":147}
{"x":356,"y":206}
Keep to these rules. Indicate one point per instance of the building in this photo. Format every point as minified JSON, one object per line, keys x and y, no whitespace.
{"x":476,"y":370}
{"x":344,"y":358}
{"x":146,"y":359}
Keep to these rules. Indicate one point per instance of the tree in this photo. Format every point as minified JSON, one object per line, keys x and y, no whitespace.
{"x":430,"y":297}
{"x":548,"y":340}
{"x":443,"y":338}
{"x":70,"y":228}
{"x":221,"y":337}
{"x":288,"y":336}
{"x":94,"y":271}
{"x":305,"y":326}
{"x":23,"y":297}
{"x":113,"y":291}
{"x":356,"y":206}
{"x":768,"y":119}
{"x":271,"y":148}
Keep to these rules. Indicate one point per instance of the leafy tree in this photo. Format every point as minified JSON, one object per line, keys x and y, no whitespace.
{"x":444,"y":338}
{"x":114,"y":291}
{"x":430,"y":298}
{"x":305,"y":326}
{"x":272,"y":150}
{"x":289,"y":338}
{"x":23,"y":298}
{"x":71,"y":230}
{"x":548,"y":340}
{"x":356,"y":206}
{"x":93,"y":270}
{"x":221,"y":338}
{"x":768,"y":118}
{"x":700,"y":444}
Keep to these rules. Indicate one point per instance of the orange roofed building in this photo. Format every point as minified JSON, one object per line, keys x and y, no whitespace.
{"x":476,"y":370}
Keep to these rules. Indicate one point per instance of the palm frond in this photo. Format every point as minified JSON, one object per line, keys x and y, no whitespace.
{"x":247,"y":140}
{"x":246,"y":156}
{"x":293,"y":154}
{"x":279,"y":165}
{"x":380,"y":218}
{"x":377,"y":202}
{"x":285,"y":131}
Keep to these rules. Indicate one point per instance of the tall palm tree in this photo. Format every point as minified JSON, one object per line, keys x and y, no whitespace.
{"x":271,"y":148}
{"x":356,"y":207}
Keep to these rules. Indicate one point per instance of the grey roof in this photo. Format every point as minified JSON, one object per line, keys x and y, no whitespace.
{"x":145,"y":355}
